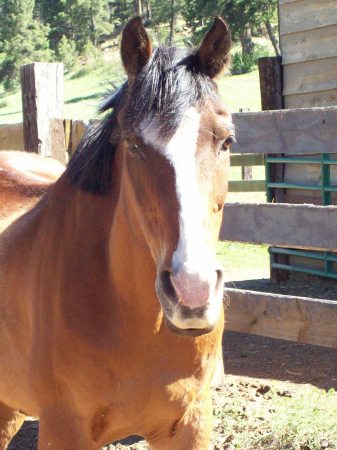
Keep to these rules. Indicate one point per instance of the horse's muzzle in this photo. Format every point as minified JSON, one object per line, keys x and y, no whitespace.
{"x":199,"y":313}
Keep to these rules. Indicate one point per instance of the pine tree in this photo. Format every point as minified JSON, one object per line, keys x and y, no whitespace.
{"x":23,"y":39}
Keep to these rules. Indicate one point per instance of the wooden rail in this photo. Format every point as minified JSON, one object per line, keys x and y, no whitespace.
{"x":294,"y":131}
{"x":281,"y":224}
{"x":297,"y":319}
{"x":247,"y":184}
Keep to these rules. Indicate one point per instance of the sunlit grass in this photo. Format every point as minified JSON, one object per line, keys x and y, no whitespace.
{"x":304,"y":419}
{"x":85,"y":87}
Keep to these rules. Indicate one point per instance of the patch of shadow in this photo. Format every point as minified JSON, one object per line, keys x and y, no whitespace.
{"x":27,"y":438}
{"x":87,"y":97}
{"x":128,"y":441}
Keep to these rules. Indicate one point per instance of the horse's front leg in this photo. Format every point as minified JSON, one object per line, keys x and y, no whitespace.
{"x":61,"y":428}
{"x":192,"y":432}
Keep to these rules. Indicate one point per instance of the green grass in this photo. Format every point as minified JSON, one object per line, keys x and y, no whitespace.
{"x":304,"y":419}
{"x":241,"y":91}
{"x":85,"y":88}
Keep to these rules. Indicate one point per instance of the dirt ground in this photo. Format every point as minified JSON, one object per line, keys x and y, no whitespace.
{"x":249,"y":360}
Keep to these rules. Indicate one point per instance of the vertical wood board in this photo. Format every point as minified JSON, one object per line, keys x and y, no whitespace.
{"x":310,"y":76}
{"x":310,"y":45}
{"x":313,"y":99}
{"x":11,"y":137}
{"x":42,"y":100}
{"x":306,"y":15}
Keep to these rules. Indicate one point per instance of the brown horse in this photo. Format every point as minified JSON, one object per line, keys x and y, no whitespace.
{"x":111,"y":296}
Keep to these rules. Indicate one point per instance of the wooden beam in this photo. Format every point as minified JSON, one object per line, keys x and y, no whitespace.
{"x":247,"y":160}
{"x":247,"y":186}
{"x":42,"y":101}
{"x":296,"y":131}
{"x":297,"y":319}
{"x":11,"y":137}
{"x":283,"y":225}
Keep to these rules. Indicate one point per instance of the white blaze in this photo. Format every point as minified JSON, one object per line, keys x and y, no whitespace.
{"x":193,"y":261}
{"x":192,"y":250}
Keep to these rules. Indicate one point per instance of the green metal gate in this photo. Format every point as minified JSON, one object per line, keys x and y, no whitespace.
{"x":326,"y":189}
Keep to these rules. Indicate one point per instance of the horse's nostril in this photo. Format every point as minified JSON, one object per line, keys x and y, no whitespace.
{"x":166,"y":282}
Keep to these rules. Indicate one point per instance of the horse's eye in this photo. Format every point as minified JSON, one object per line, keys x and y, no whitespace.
{"x":133,"y":148}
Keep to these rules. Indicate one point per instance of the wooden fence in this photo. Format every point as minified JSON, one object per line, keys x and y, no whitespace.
{"x":305,"y":131}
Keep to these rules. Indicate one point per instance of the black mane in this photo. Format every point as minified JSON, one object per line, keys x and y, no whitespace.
{"x":166,"y":87}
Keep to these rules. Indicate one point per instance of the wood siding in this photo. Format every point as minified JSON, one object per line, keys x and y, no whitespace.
{"x":308,"y":39}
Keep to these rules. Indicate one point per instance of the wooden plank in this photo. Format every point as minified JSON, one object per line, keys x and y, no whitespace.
{"x":11,"y":137}
{"x":305,"y":131}
{"x":247,"y":160}
{"x":297,"y":319}
{"x":310,"y":45}
{"x":313,"y":99}
{"x":283,"y":2}
{"x":247,"y":186}
{"x":246,"y":173}
{"x":57,"y":140}
{"x":271,"y":83}
{"x":281,"y":224}
{"x":310,"y":76}
{"x":78,"y":128}
{"x":306,"y":15}
{"x":42,"y":100}
{"x":67,"y":133}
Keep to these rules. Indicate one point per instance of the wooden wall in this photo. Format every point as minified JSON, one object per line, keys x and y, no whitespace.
{"x":308,"y":40}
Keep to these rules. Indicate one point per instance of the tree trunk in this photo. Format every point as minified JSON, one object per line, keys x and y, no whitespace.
{"x":138,"y":7}
{"x":172,"y":22}
{"x":247,"y":44}
{"x":148,"y":10}
{"x":272,"y":37}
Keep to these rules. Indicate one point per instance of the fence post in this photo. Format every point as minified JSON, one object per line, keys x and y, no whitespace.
{"x":246,"y":171}
{"x":271,"y":82}
{"x":42,"y":106}
{"x":271,"y":85}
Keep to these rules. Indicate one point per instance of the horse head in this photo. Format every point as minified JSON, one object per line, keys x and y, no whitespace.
{"x":176,"y":136}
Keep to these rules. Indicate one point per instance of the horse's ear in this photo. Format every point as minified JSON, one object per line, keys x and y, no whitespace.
{"x":213,"y":53}
{"x":136,"y":48}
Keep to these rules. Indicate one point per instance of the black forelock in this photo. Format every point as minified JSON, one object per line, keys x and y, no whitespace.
{"x":166,"y":87}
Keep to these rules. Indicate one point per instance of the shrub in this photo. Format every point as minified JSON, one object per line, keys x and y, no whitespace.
{"x":242,"y":63}
{"x":247,"y":63}
{"x":66,"y":52}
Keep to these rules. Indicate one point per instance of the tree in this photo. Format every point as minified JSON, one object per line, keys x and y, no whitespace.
{"x":22,"y":39}
{"x":247,"y":16}
{"x":82,"y":21}
{"x":166,"y":12}
{"x":243,"y":16}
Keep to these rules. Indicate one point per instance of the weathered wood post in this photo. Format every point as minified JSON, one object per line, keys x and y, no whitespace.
{"x":246,"y":171}
{"x":42,"y":106}
{"x":271,"y":85}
